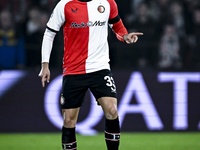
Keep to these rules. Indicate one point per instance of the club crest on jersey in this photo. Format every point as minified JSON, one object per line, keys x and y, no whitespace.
{"x":62,"y":100}
{"x":101,"y":9}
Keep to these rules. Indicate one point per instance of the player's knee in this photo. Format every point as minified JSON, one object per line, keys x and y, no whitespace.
{"x":112,"y":113}
{"x":69,"y":123}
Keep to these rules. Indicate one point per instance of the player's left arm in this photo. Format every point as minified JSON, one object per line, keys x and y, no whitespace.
{"x":118,"y":27}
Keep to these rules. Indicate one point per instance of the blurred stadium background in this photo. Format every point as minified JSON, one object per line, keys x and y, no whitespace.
{"x":158,"y":78}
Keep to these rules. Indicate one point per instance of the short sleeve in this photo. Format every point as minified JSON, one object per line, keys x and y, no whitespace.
{"x":57,"y":18}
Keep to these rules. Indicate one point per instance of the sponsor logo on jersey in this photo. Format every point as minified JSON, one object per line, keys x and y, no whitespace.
{"x":88,"y":24}
{"x":101,"y":9}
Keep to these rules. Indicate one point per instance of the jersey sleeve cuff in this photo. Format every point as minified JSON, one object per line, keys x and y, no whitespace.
{"x":52,"y":29}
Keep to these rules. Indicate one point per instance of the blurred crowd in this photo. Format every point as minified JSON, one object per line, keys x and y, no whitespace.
{"x":22,"y":25}
{"x":171,"y":39}
{"x":171,"y":30}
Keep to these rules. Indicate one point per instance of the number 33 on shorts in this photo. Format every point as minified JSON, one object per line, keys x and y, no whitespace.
{"x":110,"y":83}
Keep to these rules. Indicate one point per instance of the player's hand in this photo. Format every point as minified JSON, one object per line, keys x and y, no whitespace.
{"x":132,"y":37}
{"x":44,"y":74}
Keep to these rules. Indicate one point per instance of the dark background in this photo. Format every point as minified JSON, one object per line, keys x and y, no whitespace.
{"x":22,"y":106}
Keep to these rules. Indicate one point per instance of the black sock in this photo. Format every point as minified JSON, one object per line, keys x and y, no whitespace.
{"x":112,"y":134}
{"x":68,"y":138}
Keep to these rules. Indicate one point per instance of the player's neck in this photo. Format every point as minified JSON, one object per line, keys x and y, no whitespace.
{"x":84,"y":0}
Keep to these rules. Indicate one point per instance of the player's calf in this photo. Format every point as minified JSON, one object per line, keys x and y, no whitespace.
{"x":112,"y":134}
{"x":69,"y":139}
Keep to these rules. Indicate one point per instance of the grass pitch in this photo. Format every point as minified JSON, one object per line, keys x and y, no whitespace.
{"x":129,"y":141}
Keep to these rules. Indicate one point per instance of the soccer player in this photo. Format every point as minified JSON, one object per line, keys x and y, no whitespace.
{"x":85,"y":62}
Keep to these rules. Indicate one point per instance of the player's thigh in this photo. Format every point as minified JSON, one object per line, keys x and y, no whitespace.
{"x":103,"y":85}
{"x":109,"y":106}
{"x":73,"y":91}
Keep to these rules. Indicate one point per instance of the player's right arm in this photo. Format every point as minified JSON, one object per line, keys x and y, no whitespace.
{"x":53,"y":26}
{"x":47,"y":44}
